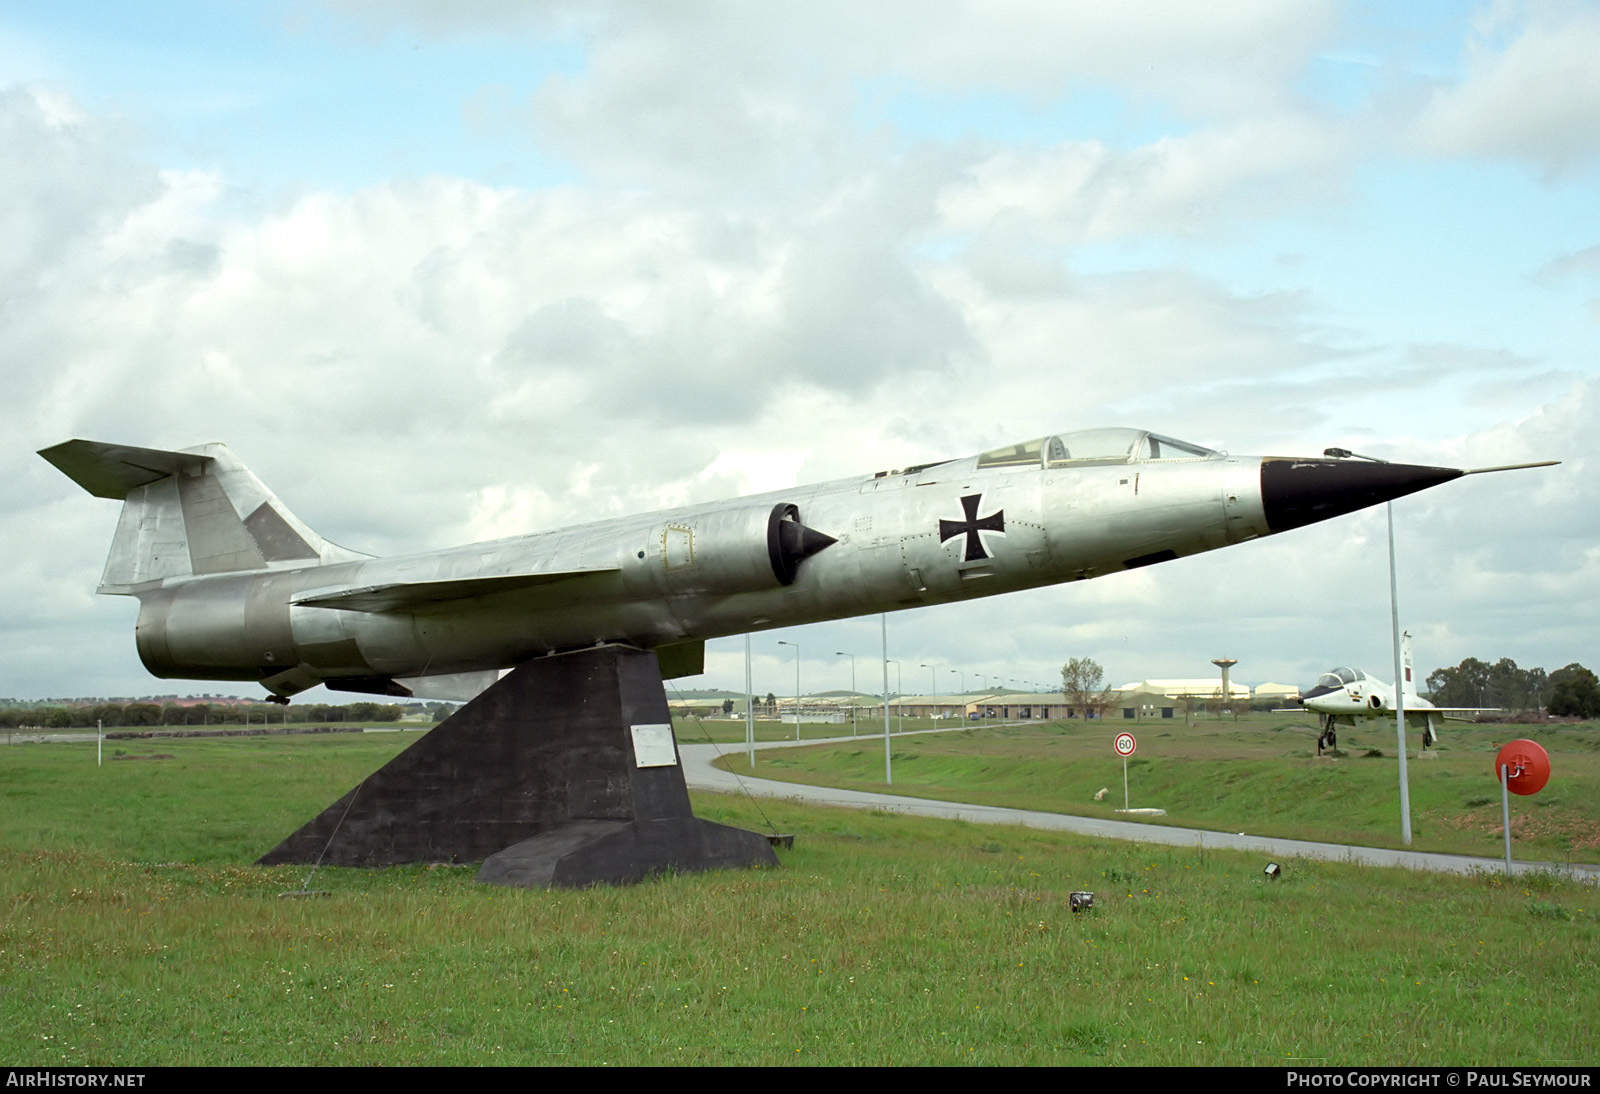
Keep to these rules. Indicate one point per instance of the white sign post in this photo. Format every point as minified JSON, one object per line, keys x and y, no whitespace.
{"x":1125,"y":745}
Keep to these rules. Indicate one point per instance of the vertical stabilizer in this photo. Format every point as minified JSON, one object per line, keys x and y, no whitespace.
{"x":1405,"y":685}
{"x":197,"y":511}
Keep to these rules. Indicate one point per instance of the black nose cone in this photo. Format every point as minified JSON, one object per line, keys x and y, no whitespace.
{"x":1299,"y":492}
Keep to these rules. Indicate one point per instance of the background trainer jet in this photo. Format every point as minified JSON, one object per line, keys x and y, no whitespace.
{"x":233,"y":586}
{"x":1342,"y":695}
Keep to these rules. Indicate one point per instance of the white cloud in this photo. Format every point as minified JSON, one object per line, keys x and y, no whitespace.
{"x":754,"y":104}
{"x":1221,"y":60}
{"x":1531,"y":89}
{"x":1180,"y":185}
{"x":1231,"y":56}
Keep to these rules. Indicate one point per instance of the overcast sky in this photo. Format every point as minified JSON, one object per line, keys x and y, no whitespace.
{"x":451,"y":271}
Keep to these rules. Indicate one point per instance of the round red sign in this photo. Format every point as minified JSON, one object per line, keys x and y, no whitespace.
{"x":1126,"y":744}
{"x":1528,"y":766}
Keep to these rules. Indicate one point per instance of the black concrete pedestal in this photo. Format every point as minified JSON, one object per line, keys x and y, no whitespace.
{"x":538,"y":777}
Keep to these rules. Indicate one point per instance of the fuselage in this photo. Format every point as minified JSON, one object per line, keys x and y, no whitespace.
{"x":232,"y":586}
{"x":699,"y":572}
{"x":1352,"y":693}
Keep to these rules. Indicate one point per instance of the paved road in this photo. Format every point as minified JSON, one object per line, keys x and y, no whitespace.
{"x":700,"y":774}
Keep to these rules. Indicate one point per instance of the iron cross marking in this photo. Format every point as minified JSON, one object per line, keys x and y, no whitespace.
{"x":995,"y":522}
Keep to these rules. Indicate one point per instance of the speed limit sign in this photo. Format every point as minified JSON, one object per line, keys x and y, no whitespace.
{"x":1125,"y":744}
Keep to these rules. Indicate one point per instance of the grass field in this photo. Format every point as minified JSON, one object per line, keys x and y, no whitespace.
{"x":135,"y":933}
{"x":1258,"y":775}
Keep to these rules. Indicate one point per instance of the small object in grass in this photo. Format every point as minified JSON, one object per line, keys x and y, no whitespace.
{"x":1272,"y":871}
{"x":1080,"y":902}
{"x":786,"y":841}
{"x":1101,"y":796}
{"x":296,"y":894}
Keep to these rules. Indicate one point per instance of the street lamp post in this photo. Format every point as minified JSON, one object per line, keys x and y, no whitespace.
{"x":1399,"y":683}
{"x":841,"y":653}
{"x":900,"y":693}
{"x":933,"y":678}
{"x":796,"y":646}
{"x":888,"y":765}
{"x":749,"y":709}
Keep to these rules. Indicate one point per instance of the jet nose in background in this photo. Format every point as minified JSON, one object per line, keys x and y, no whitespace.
{"x":1296,"y":492}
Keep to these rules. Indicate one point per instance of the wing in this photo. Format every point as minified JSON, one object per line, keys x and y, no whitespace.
{"x":416,"y":595}
{"x":1454,"y":713}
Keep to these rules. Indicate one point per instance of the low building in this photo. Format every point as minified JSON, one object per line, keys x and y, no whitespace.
{"x":1277,"y":694}
{"x":1202,"y":689}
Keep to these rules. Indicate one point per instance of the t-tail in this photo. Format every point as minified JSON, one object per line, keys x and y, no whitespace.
{"x":189,"y":513}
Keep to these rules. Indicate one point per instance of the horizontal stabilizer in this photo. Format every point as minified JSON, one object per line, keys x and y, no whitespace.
{"x":111,"y":470}
{"x":410,"y":596}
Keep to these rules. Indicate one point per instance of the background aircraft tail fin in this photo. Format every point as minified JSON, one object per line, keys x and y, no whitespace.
{"x":1405,"y":685}
{"x":197,"y":511}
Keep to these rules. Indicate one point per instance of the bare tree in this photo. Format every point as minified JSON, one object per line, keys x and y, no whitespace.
{"x":1188,"y":702}
{"x":1082,"y":681}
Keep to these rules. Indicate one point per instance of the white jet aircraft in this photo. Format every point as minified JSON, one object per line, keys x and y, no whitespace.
{"x":233,"y":586}
{"x":1342,"y":695}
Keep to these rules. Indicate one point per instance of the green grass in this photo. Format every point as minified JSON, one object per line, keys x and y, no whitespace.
{"x":204,"y":802}
{"x":134,"y":933}
{"x":1258,"y":776}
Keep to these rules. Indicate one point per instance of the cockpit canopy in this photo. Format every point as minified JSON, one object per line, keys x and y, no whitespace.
{"x":1095,"y":446}
{"x":1340,"y":677}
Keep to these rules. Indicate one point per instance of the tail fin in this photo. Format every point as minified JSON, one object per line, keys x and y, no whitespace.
{"x":1406,"y":686}
{"x":198,"y":511}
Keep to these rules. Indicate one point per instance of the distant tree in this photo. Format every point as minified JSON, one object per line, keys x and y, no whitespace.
{"x":772,"y":703}
{"x":1475,"y":683}
{"x":143,"y":714}
{"x":1188,"y":703}
{"x":1514,"y":688}
{"x":1538,"y":690}
{"x":1082,"y":681}
{"x":727,"y":707}
{"x":1463,"y":686}
{"x":1574,"y":690}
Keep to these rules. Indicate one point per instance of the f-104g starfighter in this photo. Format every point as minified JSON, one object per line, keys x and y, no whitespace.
{"x":233,"y":586}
